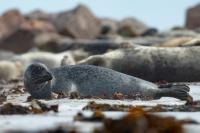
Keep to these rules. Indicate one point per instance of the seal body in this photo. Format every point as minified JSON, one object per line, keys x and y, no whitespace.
{"x":96,"y":81}
{"x":90,"y":80}
{"x":178,"y":64}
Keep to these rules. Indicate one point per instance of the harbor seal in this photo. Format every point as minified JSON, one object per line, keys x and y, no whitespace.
{"x":51,"y":60}
{"x":177,"y":64}
{"x":14,"y":67}
{"x":92,"y":80}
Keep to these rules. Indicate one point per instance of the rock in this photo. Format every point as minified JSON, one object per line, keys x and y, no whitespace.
{"x":3,"y":29}
{"x":109,"y":26}
{"x":131,"y":27}
{"x":78,"y":23}
{"x":44,"y":38}
{"x":9,"y":22}
{"x":22,"y":39}
{"x":150,"y":32}
{"x":18,"y":42}
{"x":39,"y":15}
{"x":50,"y":42}
{"x":193,"y":17}
{"x":38,"y":25}
{"x":62,"y":44}
{"x":13,"y":19}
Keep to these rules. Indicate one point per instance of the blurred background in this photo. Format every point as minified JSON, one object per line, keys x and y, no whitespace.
{"x":156,"y":13}
{"x":55,"y":26}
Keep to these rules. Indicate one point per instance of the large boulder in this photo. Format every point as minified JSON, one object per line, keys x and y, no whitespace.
{"x":131,"y":27}
{"x":19,"y":41}
{"x":23,"y":38}
{"x":78,"y":23}
{"x":193,"y":17}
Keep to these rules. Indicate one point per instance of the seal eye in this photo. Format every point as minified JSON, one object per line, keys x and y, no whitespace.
{"x":36,"y":72}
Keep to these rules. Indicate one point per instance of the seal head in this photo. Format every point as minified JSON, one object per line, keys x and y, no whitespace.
{"x":37,"y":81}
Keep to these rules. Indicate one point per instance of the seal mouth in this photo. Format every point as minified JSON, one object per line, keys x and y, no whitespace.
{"x":44,"y":78}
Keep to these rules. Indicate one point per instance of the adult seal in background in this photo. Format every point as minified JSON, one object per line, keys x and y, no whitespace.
{"x":92,"y":80}
{"x":177,"y":64}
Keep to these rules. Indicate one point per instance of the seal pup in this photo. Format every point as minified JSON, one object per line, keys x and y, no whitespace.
{"x":92,"y":80}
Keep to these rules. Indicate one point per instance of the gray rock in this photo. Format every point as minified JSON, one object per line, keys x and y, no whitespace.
{"x":57,"y":43}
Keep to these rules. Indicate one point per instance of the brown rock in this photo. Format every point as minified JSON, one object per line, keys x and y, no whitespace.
{"x":13,"y":19}
{"x":9,"y":22}
{"x":193,"y":17}
{"x":78,"y":23}
{"x":131,"y":27}
{"x":3,"y":29}
{"x":20,"y":41}
{"x":38,"y":25}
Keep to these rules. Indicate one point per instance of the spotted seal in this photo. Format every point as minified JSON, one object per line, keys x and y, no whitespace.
{"x":92,"y":80}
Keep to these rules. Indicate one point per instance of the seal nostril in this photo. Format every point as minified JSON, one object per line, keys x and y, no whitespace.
{"x":49,"y":75}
